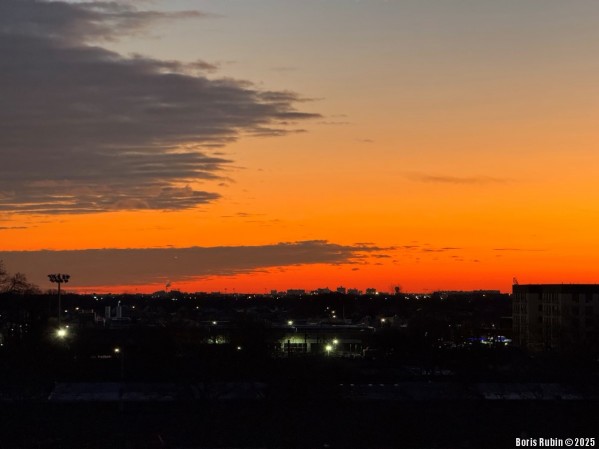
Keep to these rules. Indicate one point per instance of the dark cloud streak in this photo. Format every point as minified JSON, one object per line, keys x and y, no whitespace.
{"x":92,"y":267}
{"x":82,"y":22}
{"x":84,"y":129}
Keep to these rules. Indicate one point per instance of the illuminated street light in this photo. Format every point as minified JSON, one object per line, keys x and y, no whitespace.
{"x":121,"y":355}
{"x":61,"y":333}
{"x":59,"y":279}
{"x":335,"y":341}
{"x":290,"y":323}
{"x":328,"y":348}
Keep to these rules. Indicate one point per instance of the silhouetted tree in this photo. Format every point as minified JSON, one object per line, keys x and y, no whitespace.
{"x":16,"y":283}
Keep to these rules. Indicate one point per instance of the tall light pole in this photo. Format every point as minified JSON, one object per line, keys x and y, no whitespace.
{"x":59,"y":279}
{"x":121,"y":354}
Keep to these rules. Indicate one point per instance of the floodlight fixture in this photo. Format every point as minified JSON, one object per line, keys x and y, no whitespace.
{"x":59,"y":278}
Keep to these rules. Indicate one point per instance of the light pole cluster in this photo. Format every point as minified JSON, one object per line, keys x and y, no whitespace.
{"x":59,"y":279}
{"x":331,"y":346}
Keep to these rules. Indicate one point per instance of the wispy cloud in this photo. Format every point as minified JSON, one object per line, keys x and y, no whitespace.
{"x":84,"y":129}
{"x":447,"y":179}
{"x":519,"y":249}
{"x":333,"y":123}
{"x":92,"y":267}
{"x":426,"y":248}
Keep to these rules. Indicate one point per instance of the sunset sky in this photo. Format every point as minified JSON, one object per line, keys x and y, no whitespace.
{"x":250,"y":145}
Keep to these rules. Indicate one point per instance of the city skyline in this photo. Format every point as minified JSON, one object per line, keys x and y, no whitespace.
{"x":278,"y":144}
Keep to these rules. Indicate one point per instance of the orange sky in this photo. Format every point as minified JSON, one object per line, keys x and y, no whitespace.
{"x":460,"y":142}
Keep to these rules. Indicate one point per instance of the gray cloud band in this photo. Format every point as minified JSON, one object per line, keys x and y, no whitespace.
{"x":83,"y":129}
{"x":94,"y":267}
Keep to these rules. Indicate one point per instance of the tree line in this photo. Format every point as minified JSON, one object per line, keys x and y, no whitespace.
{"x":16,"y":283}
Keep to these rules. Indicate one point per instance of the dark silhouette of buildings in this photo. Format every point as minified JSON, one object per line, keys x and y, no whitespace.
{"x":561,"y":317}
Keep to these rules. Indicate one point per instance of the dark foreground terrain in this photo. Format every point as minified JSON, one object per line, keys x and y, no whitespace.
{"x":291,"y":415}
{"x":171,"y":378}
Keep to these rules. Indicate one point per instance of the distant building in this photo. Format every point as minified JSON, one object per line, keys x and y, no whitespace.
{"x":372,"y":291}
{"x":334,"y":340}
{"x":296,"y":292}
{"x":341,"y":290}
{"x":322,"y":291}
{"x":556,"y":316}
{"x":478,"y":293}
